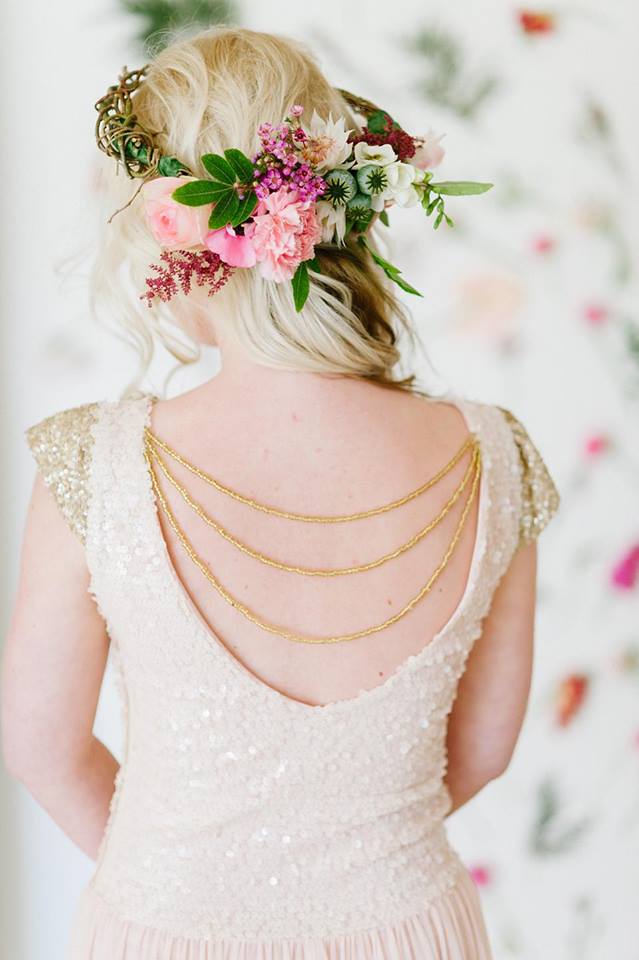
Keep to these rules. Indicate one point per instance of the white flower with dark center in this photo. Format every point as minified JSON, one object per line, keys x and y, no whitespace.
{"x":381,"y":155}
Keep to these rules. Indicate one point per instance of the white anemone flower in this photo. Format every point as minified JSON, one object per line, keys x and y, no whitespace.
{"x":401,"y":179}
{"x":381,"y":155}
{"x":327,"y":147}
{"x":400,"y":189}
{"x":332,"y":220}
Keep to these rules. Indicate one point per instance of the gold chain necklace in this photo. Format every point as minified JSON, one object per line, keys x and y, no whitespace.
{"x":340,"y":571}
{"x":286,"y":633}
{"x":308,"y":518}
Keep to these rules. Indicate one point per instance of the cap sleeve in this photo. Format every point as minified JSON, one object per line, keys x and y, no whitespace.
{"x":539,"y":495}
{"x":61,"y":445}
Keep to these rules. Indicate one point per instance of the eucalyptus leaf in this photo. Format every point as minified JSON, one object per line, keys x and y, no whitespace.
{"x":196,"y":193}
{"x":218,"y":167}
{"x":301,"y":286}
{"x":460,"y":188}
{"x":242,"y":166}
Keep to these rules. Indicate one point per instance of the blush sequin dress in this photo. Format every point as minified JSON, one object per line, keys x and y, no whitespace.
{"x":246,"y":825}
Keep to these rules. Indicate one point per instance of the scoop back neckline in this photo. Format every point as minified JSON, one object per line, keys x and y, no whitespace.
{"x":178,"y":593}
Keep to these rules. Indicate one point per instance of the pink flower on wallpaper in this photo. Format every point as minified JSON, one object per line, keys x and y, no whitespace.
{"x":595,"y":314}
{"x":625,"y":573}
{"x":570,"y":697}
{"x":480,"y":874}
{"x":537,"y":21}
{"x":628,"y":660}
{"x":543,"y":243}
{"x":596,"y":444}
{"x":489,"y":304}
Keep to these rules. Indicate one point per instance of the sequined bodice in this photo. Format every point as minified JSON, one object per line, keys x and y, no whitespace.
{"x":239,"y":812}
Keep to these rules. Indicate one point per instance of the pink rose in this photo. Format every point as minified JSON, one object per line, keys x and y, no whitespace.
{"x":429,"y":154}
{"x":232,"y":248}
{"x":284,"y":232}
{"x":174,"y":225}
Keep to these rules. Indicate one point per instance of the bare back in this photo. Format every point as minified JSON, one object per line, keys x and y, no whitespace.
{"x":339,"y":449}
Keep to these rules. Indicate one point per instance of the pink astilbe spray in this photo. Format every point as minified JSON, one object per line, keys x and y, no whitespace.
{"x":180,"y":268}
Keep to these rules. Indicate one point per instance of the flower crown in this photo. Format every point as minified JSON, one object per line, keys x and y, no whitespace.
{"x":306,"y":185}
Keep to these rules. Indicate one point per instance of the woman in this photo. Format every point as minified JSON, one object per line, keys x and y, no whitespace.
{"x":316,"y":581}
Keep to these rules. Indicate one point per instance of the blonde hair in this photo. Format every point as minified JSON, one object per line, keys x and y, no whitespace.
{"x":204,"y":94}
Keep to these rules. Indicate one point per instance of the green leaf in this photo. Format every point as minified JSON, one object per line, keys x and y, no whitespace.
{"x":392,"y":272}
{"x":218,"y":167}
{"x":242,"y":166}
{"x":383,"y":216}
{"x":460,"y":188}
{"x":301,"y":285}
{"x":246,"y":208}
{"x":196,"y":193}
{"x":170,"y":167}
{"x":377,"y":121}
{"x":224,"y":210}
{"x":438,"y":219}
{"x":431,"y":206}
{"x":314,"y":264}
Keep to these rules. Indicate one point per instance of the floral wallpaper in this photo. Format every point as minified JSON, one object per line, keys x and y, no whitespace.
{"x":530,"y":300}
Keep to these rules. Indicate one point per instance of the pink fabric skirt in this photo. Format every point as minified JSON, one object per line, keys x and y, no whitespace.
{"x":448,"y":928}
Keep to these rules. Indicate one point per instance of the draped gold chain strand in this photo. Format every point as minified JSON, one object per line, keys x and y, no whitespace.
{"x":306,"y":570}
{"x":308,"y":518}
{"x":271,"y":628}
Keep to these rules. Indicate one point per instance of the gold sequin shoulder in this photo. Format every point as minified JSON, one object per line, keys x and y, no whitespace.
{"x":539,"y":495}
{"x":61,"y":445}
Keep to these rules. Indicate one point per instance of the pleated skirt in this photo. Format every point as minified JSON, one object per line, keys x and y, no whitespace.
{"x":451,"y":927}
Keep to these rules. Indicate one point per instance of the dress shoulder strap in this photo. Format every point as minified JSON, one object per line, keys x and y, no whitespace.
{"x":539,"y":495}
{"x":62,"y":445}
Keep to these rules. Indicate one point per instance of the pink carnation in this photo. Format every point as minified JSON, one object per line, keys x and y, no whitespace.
{"x":284,"y":232}
{"x":174,"y":225}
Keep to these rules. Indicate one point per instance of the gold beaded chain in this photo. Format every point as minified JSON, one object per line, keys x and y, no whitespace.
{"x":340,"y":571}
{"x":271,"y":628}
{"x":308,"y":518}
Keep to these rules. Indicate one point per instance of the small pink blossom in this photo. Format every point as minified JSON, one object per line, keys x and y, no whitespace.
{"x":481,"y":875}
{"x":429,"y":153}
{"x":297,"y":110}
{"x":284,"y":232}
{"x":543,"y":243}
{"x":174,"y":225}
{"x":595,"y":314}
{"x":625,"y":573}
{"x":236,"y":250}
{"x":595,"y":444}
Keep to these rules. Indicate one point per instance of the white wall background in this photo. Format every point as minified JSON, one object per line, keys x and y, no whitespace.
{"x":502,"y":322}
